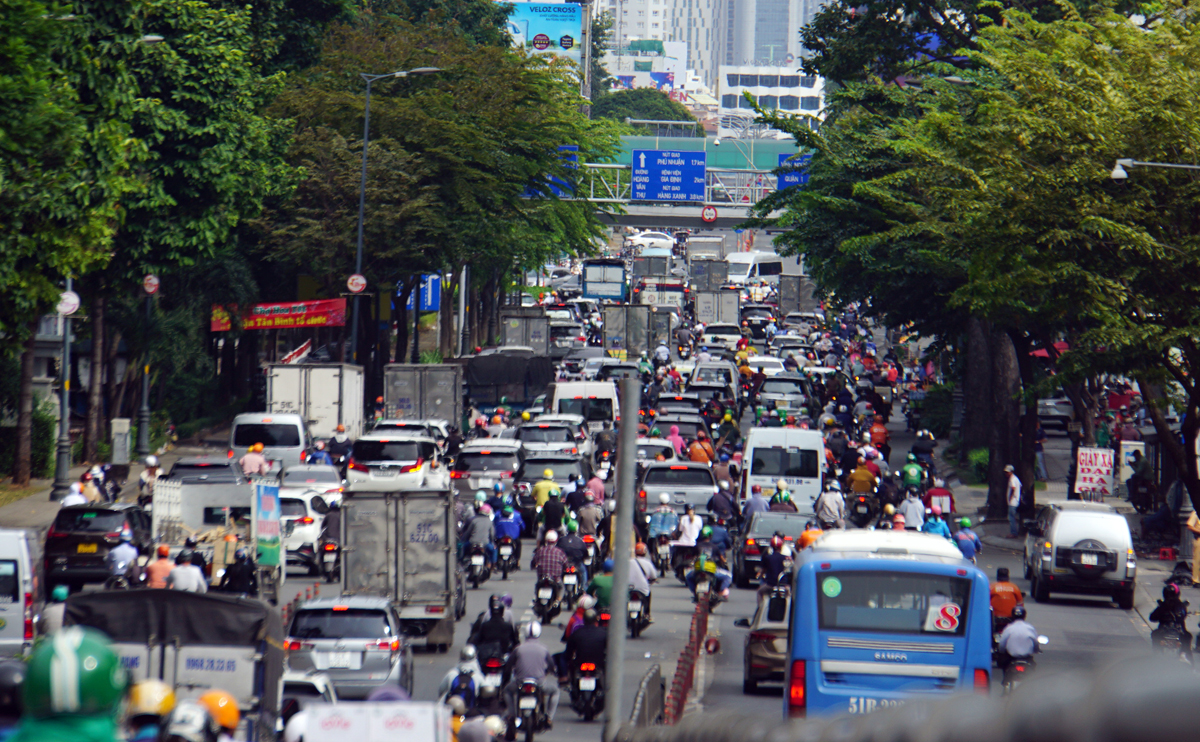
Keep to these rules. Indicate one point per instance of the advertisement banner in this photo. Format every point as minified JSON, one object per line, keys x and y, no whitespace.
{"x":1094,"y":473}
{"x":317,"y":313}
{"x":266,"y":524}
{"x":377,"y":722}
{"x":548,"y":28}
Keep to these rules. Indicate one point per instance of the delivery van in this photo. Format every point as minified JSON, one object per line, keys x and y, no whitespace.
{"x":16,"y":593}
{"x":595,"y":401}
{"x":791,"y":454}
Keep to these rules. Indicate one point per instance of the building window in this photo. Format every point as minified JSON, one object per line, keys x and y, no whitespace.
{"x":768,"y":101}
{"x":789,"y":102}
{"x":729,"y":101}
{"x":768,"y":81}
{"x":749,"y":81}
{"x":789,"y":81}
{"x":810,"y":103}
{"x":732,"y":80}
{"x":743,"y":103}
{"x":808,"y":81}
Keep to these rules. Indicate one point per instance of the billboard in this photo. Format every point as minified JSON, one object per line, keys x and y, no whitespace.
{"x":316,"y":313}
{"x":548,"y":28}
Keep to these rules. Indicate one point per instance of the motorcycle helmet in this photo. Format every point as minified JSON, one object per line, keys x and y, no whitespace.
{"x":12,"y":675}
{"x":912,"y":458}
{"x":497,"y":420}
{"x":1170,"y":591}
{"x":889,"y":509}
{"x":74,"y":672}
{"x":965,"y":522}
{"x":1018,"y":613}
{"x":534,"y":630}
{"x":639,"y":549}
{"x":150,"y":698}
{"x":508,"y":511}
{"x":495,"y":605}
{"x":239,"y":555}
{"x":151,"y":460}
{"x":781,"y":485}
{"x":547,"y":474}
{"x":485,"y":509}
{"x":936,"y":510}
{"x":480,"y":497}
{"x":525,"y":416}
{"x":555,"y":493}
{"x":724,"y":458}
{"x":59,"y":593}
{"x":835,"y":485}
{"x":723,"y":484}
{"x":776,"y":542}
{"x":664,"y":498}
{"x":572,"y":526}
{"x":655,"y":433}
{"x":467,"y":653}
{"x":756,"y":489}
{"x":189,"y":721}
{"x":506,"y":599}
{"x":498,"y":488}
{"x":163,"y":550}
{"x":223,"y":707}
{"x":706,"y":532}
{"x":551,"y":537}
{"x":607,"y":566}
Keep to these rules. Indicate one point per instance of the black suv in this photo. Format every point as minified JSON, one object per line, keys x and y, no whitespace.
{"x":80,"y":537}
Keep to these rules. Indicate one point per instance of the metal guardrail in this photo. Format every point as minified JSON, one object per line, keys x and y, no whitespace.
{"x":1150,"y":700}
{"x":685,"y":668}
{"x":609,"y":183}
{"x":648,"y":706}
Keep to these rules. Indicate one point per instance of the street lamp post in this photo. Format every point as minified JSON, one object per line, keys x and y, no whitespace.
{"x":362,"y":189}
{"x":143,"y":441}
{"x":1120,"y":170}
{"x":62,"y":461}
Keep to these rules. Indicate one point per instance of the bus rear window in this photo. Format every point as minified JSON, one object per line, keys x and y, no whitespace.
{"x":893,"y":602}
{"x":682,"y":477}
{"x":784,"y":462}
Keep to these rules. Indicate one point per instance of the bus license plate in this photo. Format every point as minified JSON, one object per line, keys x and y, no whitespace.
{"x":1089,"y":560}
{"x":505,"y":551}
{"x":862,"y":705}
{"x":587,"y":684}
{"x":477,"y":559}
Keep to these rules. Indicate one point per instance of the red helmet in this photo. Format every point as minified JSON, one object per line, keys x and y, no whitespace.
{"x":480,"y":422}
{"x":777,"y":542}
{"x":756,"y":489}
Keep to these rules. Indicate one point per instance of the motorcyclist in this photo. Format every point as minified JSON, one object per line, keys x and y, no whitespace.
{"x":664,"y":520}
{"x":642,"y":569}
{"x":541,"y":488}
{"x":967,"y":541}
{"x":703,"y":356}
{"x":549,"y":560}
{"x":589,"y":515}
{"x":468,"y":664}
{"x":601,"y":586}
{"x":498,"y":499}
{"x":1170,"y":615}
{"x":240,"y":577}
{"x":254,"y":463}
{"x":689,"y":526}
{"x":157,"y":571}
{"x":552,"y":514}
{"x":913,"y":511}
{"x":495,"y":636}
{"x":122,"y":556}
{"x":225,"y":712}
{"x":773,"y":566}
{"x":479,"y":429}
{"x":150,"y":702}
{"x":510,"y":525}
{"x":939,"y":495}
{"x":1019,"y":640}
{"x":722,"y":504}
{"x":923,"y":447}
{"x":881,"y":437}
{"x":830,"y":507}
{"x":811,"y":533}
{"x":147,"y":479}
{"x":531,"y":659}
{"x":588,"y":643}
{"x":756,"y":503}
{"x":683,"y":336}
{"x":722,"y":578}
{"x":186,"y":576}
{"x":662,"y":355}
{"x":935,"y":525}
{"x":339,"y":445}
{"x":605,"y":439}
{"x":574,"y":547}
{"x":911,"y":474}
{"x":781,"y":501}
{"x":319,"y":455}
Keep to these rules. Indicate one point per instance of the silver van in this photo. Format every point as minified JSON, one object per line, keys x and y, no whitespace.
{"x":284,"y":437}
{"x":1080,"y":547}
{"x":16,"y":593}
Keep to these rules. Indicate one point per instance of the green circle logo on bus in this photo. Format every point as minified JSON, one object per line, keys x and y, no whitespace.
{"x":832,"y":587}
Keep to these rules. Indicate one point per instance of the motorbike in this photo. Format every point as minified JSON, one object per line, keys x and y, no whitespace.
{"x":589,"y":555}
{"x":572,"y":586}
{"x":704,"y":584}
{"x":545,"y":607}
{"x":685,"y":352}
{"x":604,"y":461}
{"x":861,"y":510}
{"x":1171,"y":641}
{"x":681,"y":560}
{"x":477,"y":567}
{"x":662,"y":553}
{"x":1019,"y":669}
{"x":506,"y":560}
{"x":587,"y":690}
{"x":635,"y":617}
{"x":493,"y":682}
{"x":331,"y":563}
{"x":530,"y":716}
{"x":125,"y":576}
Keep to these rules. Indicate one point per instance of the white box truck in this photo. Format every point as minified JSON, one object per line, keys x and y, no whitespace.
{"x":324,"y":394}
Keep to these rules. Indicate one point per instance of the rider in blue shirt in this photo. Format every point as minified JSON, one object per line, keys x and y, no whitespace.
{"x":510,"y":525}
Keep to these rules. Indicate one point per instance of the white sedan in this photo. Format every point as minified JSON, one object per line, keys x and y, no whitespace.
{"x":652,"y":239}
{"x":721,"y":336}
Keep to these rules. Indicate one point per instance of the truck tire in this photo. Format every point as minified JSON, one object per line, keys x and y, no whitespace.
{"x":1040,"y":593}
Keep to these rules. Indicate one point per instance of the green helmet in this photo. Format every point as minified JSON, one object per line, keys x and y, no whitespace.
{"x":706,"y":532}
{"x":655,"y":433}
{"x":572,"y":526}
{"x":480,"y":496}
{"x":965,"y":522}
{"x":59,"y":593}
{"x":75,"y":671}
{"x":912,"y":458}
{"x":555,"y":492}
{"x":507,"y":510}
{"x":781,"y":413}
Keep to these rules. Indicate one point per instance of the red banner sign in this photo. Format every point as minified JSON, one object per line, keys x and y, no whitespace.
{"x":319,"y":313}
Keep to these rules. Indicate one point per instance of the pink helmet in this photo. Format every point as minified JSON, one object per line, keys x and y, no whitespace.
{"x":936,"y":509}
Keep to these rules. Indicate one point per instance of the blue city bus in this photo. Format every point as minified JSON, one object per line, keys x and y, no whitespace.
{"x":882,"y":616}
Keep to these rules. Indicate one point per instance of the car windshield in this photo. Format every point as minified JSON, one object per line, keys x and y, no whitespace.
{"x":652,"y":450}
{"x":407,"y":428}
{"x":591,"y":409}
{"x":756,"y":313}
{"x":678,"y":476}
{"x":723,"y":330}
{"x":387,"y":450}
{"x":687,"y":428}
{"x":545,"y":434}
{"x":899,"y":602}
{"x":182,"y":471}
{"x":564,"y":331}
{"x":292,"y":508}
{"x":739,"y":269}
{"x":783,"y":386}
{"x":268,"y":434}
{"x":486,"y":461}
{"x":784,"y":462}
{"x":563,"y":470}
{"x":559,"y":314}
{"x":766,"y":524}
{"x":319,"y":476}
{"x":88,"y":521}
{"x":339,"y":622}
{"x":713,"y":374}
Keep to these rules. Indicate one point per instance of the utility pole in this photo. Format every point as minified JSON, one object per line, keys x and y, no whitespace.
{"x":622,"y":533}
{"x":62,"y":462}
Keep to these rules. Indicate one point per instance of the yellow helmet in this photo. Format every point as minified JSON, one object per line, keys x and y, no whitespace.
{"x":548,"y":474}
{"x":223,"y":707}
{"x":525,"y":416}
{"x":151,"y":698}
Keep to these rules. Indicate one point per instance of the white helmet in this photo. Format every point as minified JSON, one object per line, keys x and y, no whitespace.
{"x":664,"y":498}
{"x":552,"y":537}
{"x":610,"y":505}
{"x":534,"y":630}
{"x":939,"y":482}
{"x":495,"y":725}
{"x":781,"y":485}
{"x":151,"y":460}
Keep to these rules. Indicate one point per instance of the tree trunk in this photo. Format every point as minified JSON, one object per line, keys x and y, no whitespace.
{"x":112,"y":338}
{"x":1003,"y":445}
{"x":977,"y":389}
{"x":1028,"y":424}
{"x":403,"y":321}
{"x":23,"y":460}
{"x":1185,"y":462}
{"x":228,"y":368}
{"x":247,"y":363}
{"x":94,"y":429}
{"x":446,"y":318}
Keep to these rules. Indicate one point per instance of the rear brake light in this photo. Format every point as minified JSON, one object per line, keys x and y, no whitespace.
{"x":412,"y":467}
{"x":507,"y":474}
{"x":229,"y":454}
{"x":352,"y":464}
{"x":306,"y":520}
{"x":589,"y":539}
{"x":330,"y":547}
{"x":389,"y":644}
{"x":458,"y":475}
{"x":341,"y":608}
{"x":53,"y":533}
{"x":761,"y":636}
{"x":29,"y":616}
{"x":796,"y":692}
{"x":981,"y":680}
{"x":678,"y":468}
{"x":642,"y":494}
{"x":605,"y":617}
{"x":295,"y":646}
{"x":435,"y":609}
{"x":588,"y":667}
{"x":493,"y":663}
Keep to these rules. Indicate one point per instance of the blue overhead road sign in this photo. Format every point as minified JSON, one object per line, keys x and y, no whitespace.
{"x":797,"y":175}
{"x":668,"y":175}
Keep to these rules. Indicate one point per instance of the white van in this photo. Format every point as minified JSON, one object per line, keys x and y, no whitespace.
{"x":16,"y":593}
{"x":284,"y":437}
{"x":791,"y":454}
{"x":752,"y":267}
{"x":596,"y":401}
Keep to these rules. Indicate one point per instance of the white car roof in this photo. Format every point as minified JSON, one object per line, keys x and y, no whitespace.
{"x":397,"y":436}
